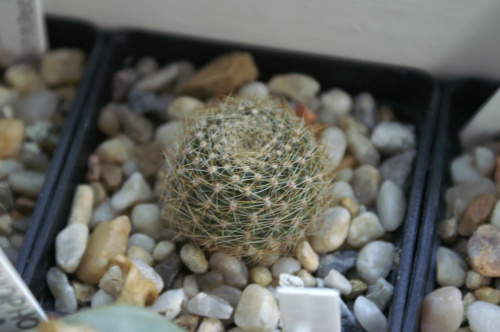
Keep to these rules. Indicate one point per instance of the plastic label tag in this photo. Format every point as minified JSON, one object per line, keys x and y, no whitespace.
{"x":485,"y":125}
{"x":309,"y":309}
{"x":19,"y":310}
{"x":22,"y":28}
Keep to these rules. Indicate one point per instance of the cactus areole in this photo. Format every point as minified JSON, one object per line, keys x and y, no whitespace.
{"x":246,"y":177}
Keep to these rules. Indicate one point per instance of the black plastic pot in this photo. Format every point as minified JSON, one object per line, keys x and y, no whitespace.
{"x":460,"y":102}
{"x":62,"y":33}
{"x":412,"y":94}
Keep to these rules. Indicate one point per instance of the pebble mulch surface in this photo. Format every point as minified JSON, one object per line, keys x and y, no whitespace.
{"x":35,"y":99}
{"x":116,"y":249}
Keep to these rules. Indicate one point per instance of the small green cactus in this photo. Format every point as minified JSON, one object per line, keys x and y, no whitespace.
{"x":248,"y":177}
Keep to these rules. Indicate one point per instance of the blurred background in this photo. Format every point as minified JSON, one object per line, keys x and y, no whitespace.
{"x":448,"y":38}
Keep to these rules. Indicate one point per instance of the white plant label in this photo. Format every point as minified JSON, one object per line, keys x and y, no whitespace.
{"x":22,"y":28}
{"x":485,"y":125}
{"x":19,"y":310}
{"x":309,"y":309}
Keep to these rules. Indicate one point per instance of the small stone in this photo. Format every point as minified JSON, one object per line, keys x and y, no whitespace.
{"x":345,"y":174}
{"x":100,"y":299}
{"x":342,"y":261}
{"x":380,"y":293}
{"x":190,"y":286}
{"x":448,"y":230}
{"x":349,"y":322}
{"x":468,"y":191}
{"x":337,"y":281}
{"x":210,"y":306}
{"x":451,"y":269}
{"x":5,"y":224}
{"x":260,"y":275}
{"x":398,"y":168}
{"x":143,"y":241}
{"x":62,"y":66}
{"x":135,"y":252}
{"x":474,"y":280}
{"x":211,"y":280}
{"x":183,"y":107}
{"x":340,"y":190}
{"x":170,"y":303}
{"x":11,"y":140}
{"x":111,"y":176}
{"x":142,"y":102}
{"x":71,"y":243}
{"x":21,"y":224}
{"x":162,"y":250}
{"x":23,"y":78}
{"x":39,"y":106}
{"x":495,"y":216}
{"x":392,"y":137}
{"x":254,"y":89}
{"x":160,"y":79}
{"x":307,"y":257}
{"x":84,"y":292}
{"x":462,"y":170}
{"x":211,"y":325}
{"x":287,"y":265}
{"x":16,"y":241}
{"x":135,"y":126}
{"x":375,"y":261}
{"x":442,"y":310}
{"x":222,"y":75}
{"x":112,"y":281}
{"x":484,"y":251}
{"x":63,"y":292}
{"x":359,"y":287}
{"x":351,"y":205}
{"x":348,"y":122}
{"x":365,"y":183}
{"x":234,"y":270}
{"x":334,"y":103}
{"x":391,"y":205}
{"x":29,"y":183}
{"x":364,"y":229}
{"x":7,"y":96}
{"x":230,"y":294}
{"x":257,"y":310}
{"x":188,"y":322}
{"x":130,"y":167}
{"x":488,"y":294}
{"x":484,"y":160}
{"x":298,"y":87}
{"x":103,"y":212}
{"x":39,"y":131}
{"x":146,"y":219}
{"x":149,"y":273}
{"x":369,"y":315}
{"x":168,"y":133}
{"x":349,"y":161}
{"x":113,"y":151}
{"x":365,"y":110}
{"x":194,"y":259}
{"x":331,"y":231}
{"x":133,"y":191}
{"x":169,"y":269}
{"x":108,"y":240}
{"x":468,"y":300}
{"x":307,"y":278}
{"x":362,"y":148}
{"x":122,"y":82}
{"x":8,"y":166}
{"x":81,"y":208}
{"x":145,"y":66}
{"x":477,"y":213}
{"x":287,"y":280}
{"x":335,"y":144}
{"x":484,"y":317}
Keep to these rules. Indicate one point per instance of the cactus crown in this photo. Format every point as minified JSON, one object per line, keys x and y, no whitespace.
{"x":248,"y":177}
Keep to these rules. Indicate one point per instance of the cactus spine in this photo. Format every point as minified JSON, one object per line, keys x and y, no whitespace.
{"x":247,"y":177}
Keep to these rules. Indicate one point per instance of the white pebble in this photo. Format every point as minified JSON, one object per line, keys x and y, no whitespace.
{"x":162,"y":250}
{"x":331,"y":230}
{"x":210,"y":306}
{"x":336,"y":280}
{"x":254,"y":89}
{"x":391,"y":205}
{"x":393,"y":137}
{"x":364,"y":228}
{"x":380,"y":293}
{"x":451,"y":269}
{"x":334,"y":103}
{"x":340,"y":190}
{"x":495,"y":217}
{"x":484,"y":317}
{"x":234,"y":270}
{"x":141,"y":240}
{"x":335,"y":144}
{"x":287,"y":280}
{"x":100,"y":299}
{"x":442,"y":310}
{"x":211,"y":325}
{"x":375,"y":261}
{"x":194,"y":258}
{"x":170,"y":303}
{"x":463,"y":171}
{"x":369,"y":315}
{"x":287,"y":265}
{"x":257,"y":310}
{"x":307,"y":257}
{"x":484,"y":160}
{"x":133,"y":191}
{"x":63,"y":292}
{"x":362,"y":148}
{"x":146,"y":219}
{"x":103,"y":212}
{"x":71,"y":243}
{"x":168,"y":133}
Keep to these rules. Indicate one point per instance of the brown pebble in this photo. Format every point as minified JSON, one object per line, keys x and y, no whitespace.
{"x":25,"y":205}
{"x":349,"y":161}
{"x":224,"y":74}
{"x":149,"y":158}
{"x":108,"y":240}
{"x":304,"y":112}
{"x":62,"y":66}
{"x":111,"y":176}
{"x":497,"y":171}
{"x":94,"y":168}
{"x":483,"y":251}
{"x":477,"y":213}
{"x":11,"y":137}
{"x":351,"y":205}
{"x":488,"y":294}
{"x":188,"y":322}
{"x":100,"y":195}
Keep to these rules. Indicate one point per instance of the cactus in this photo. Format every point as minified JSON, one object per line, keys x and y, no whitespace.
{"x":247,"y":177}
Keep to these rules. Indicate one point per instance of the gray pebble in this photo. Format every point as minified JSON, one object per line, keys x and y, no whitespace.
{"x":342,"y":261}
{"x":63,"y":292}
{"x":234,"y":270}
{"x":210,"y":306}
{"x":71,"y":243}
{"x":141,"y":240}
{"x":169,"y":269}
{"x":362,"y":148}
{"x":366,"y":183}
{"x":380,"y":293}
{"x":398,"y":168}
{"x":29,"y":183}
{"x":365,"y":109}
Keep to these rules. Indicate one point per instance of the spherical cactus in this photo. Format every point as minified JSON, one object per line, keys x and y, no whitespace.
{"x":247,"y":177}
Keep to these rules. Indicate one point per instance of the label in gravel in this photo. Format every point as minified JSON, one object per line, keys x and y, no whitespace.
{"x":309,"y":309}
{"x":22,"y":28}
{"x":19,"y":311}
